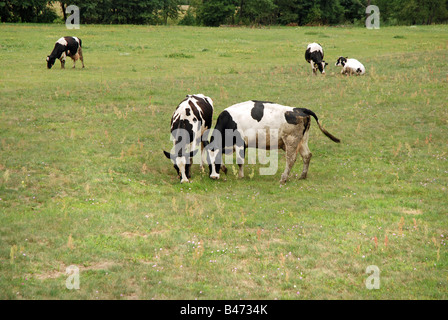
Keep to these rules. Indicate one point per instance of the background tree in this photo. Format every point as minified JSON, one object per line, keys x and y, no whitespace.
{"x":169,"y":9}
{"x":215,"y":12}
{"x":257,"y":11}
{"x":26,"y":11}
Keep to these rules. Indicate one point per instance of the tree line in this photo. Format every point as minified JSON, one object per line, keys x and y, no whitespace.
{"x":230,"y":12}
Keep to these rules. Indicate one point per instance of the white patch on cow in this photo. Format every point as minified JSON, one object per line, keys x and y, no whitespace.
{"x":315,"y":47}
{"x":353,"y":65}
{"x":76,"y":39}
{"x":181,"y":163}
{"x":213,"y":155}
{"x":63,"y":55}
{"x":62,"y":41}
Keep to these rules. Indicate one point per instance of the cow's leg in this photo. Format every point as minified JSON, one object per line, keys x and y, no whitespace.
{"x":312,"y":67}
{"x":62,"y":59}
{"x":80,"y":56}
{"x":291,"y":146}
{"x":203,"y":157}
{"x":305,"y":153}
{"x":240,"y":155}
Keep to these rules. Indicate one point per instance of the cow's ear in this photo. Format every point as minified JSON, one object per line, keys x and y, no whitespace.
{"x":167,"y":154}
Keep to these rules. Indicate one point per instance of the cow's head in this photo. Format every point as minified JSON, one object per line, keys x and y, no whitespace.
{"x":182,"y":163}
{"x":50,"y":62}
{"x":341,"y":62}
{"x":321,"y":66}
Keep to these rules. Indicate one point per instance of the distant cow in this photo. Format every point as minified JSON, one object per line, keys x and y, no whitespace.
{"x":192,"y":118}
{"x":264,"y":125}
{"x":314,"y":55}
{"x":350,"y":66}
{"x":66,"y":46}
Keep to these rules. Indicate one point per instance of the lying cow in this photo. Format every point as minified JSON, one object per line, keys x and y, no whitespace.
{"x":66,"y":46}
{"x":314,"y":55}
{"x":264,"y":125}
{"x":191,"y":119}
{"x":350,"y":66}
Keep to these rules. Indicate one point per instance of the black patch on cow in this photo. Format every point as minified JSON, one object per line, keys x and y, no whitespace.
{"x":178,"y":171}
{"x":316,"y":56}
{"x":195,"y":110}
{"x":187,"y":112}
{"x":242,"y":153}
{"x":206,"y":111}
{"x":306,"y":124}
{"x":308,"y":55}
{"x":227,"y":128}
{"x":292,"y":117}
{"x":341,"y":61}
{"x":188,"y":170}
{"x":180,"y":140}
{"x":257,"y":111}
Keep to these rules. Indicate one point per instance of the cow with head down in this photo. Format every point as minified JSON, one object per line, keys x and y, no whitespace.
{"x":192,"y":118}
{"x":66,"y":47}
{"x":264,"y":125}
{"x":314,"y":55}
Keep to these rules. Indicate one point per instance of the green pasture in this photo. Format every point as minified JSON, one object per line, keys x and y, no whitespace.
{"x":84,"y":182}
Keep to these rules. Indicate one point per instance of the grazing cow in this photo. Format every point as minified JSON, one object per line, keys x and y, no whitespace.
{"x":263,"y":125}
{"x":66,"y":46}
{"x":350,"y":66}
{"x":191,"y":119}
{"x":314,"y":54}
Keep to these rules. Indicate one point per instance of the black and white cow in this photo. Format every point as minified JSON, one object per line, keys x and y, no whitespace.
{"x":192,"y":118}
{"x":264,"y":125}
{"x":350,"y":66}
{"x":66,"y":46}
{"x":314,"y":55}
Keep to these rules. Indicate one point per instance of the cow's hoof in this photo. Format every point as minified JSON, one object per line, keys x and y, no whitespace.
{"x":302,"y":177}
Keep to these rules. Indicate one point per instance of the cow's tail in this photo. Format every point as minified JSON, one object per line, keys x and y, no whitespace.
{"x":325,"y":132}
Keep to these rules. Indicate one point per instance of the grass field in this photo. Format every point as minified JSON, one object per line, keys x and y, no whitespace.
{"x":83,"y":180}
